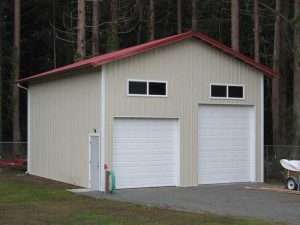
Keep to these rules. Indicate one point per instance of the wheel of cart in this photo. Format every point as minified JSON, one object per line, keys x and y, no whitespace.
{"x":293,"y":173}
{"x":291,"y":184}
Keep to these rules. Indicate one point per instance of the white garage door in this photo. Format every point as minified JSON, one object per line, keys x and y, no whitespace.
{"x":145,"y":152}
{"x":226,"y":144}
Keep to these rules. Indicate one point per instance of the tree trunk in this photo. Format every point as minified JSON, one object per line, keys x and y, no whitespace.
{"x":95,"y":30}
{"x":54,"y":33}
{"x":1,"y":78}
{"x":297,"y":71}
{"x":81,"y":42}
{"x":285,"y":65}
{"x":275,"y":81}
{"x":256,"y":31}
{"x":113,"y":39}
{"x":151,"y":20}
{"x":140,"y":12}
{"x":16,"y":74}
{"x":235,"y":24}
{"x":179,"y":17}
{"x":194,"y":16}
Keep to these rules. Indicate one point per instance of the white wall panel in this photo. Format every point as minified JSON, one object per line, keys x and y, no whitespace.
{"x":63,"y":112}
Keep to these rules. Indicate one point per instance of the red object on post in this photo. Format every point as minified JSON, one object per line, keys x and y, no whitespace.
{"x":106,"y":178}
{"x":14,"y":163}
{"x":105,"y":166}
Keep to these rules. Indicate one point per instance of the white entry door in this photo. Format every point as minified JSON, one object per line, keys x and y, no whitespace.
{"x":145,"y":152}
{"x":226,"y":142}
{"x":94,"y":141}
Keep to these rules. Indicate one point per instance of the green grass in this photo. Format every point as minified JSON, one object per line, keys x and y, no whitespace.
{"x":27,"y":200}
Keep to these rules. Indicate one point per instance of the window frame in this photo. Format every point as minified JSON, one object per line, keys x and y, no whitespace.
{"x":147,"y":90}
{"x":227,"y":91}
{"x":217,"y":84}
{"x":236,"y":85}
{"x":136,"y":80}
{"x":157,"y":81}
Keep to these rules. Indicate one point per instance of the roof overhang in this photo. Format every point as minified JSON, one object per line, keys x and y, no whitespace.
{"x":135,"y":50}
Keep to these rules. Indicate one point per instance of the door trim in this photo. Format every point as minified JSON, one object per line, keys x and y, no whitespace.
{"x":252,"y":147}
{"x":262,"y":127}
{"x":89,"y":160}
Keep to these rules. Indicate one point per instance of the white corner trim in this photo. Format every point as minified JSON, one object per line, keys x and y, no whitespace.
{"x":102,"y":128}
{"x":28,"y":133}
{"x":178,"y":153}
{"x":89,"y":163}
{"x":262,"y":179}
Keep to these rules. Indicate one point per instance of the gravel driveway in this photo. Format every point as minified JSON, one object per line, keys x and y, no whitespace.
{"x":235,"y":200}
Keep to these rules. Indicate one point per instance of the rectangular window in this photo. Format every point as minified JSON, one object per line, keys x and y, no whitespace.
{"x":147,"y":88}
{"x":228,"y":91}
{"x":157,"y":88}
{"x":137,"y":87}
{"x":218,"y":91}
{"x":235,"y":91}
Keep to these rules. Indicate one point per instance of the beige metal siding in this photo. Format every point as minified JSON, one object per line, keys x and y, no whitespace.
{"x":189,"y":67}
{"x":62,"y":114}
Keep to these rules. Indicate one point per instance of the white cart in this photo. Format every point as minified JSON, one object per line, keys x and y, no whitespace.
{"x":293,"y":173}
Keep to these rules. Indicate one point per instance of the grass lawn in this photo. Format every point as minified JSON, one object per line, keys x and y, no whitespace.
{"x":28,"y":200}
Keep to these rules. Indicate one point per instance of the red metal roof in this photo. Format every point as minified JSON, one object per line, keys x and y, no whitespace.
{"x":131,"y":51}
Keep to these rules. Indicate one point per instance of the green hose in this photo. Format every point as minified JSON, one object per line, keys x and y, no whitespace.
{"x":112,"y":181}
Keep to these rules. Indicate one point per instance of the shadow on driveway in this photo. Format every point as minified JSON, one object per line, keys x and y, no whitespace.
{"x":233,"y":199}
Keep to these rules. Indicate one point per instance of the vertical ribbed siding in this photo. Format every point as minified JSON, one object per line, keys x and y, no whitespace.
{"x":63,"y":113}
{"x":189,"y":67}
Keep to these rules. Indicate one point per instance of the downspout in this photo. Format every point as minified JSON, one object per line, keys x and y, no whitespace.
{"x":22,"y":87}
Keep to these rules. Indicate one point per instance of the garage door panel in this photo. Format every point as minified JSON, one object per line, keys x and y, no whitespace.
{"x":222,"y":128}
{"x":225,"y":122}
{"x":223,"y":160}
{"x":154,"y":173}
{"x":152,"y":163}
{"x":143,"y":146}
{"x":226,"y":166}
{"x":223,"y":132}
{"x":230,"y":173}
{"x":146,"y":182}
{"x":144,"y":160}
{"x":142,"y":151}
{"x":145,"y":152}
{"x":222,"y":179}
{"x":224,"y":144}
{"x":146,"y":155}
{"x":141,"y":137}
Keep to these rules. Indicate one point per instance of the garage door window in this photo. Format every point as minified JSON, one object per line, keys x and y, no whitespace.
{"x":227,"y":91}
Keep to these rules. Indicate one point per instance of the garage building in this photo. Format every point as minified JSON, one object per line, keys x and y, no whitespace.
{"x":179,"y":111}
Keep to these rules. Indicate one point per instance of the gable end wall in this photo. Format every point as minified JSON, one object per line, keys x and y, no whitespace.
{"x":189,"y":67}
